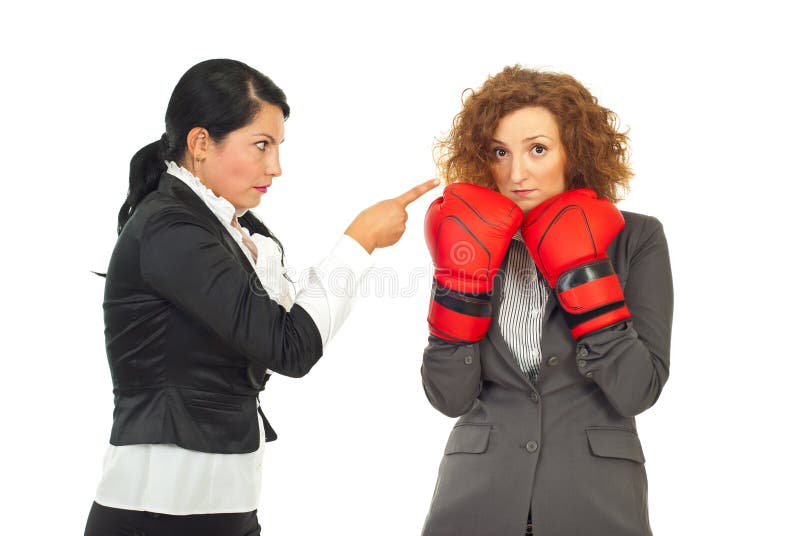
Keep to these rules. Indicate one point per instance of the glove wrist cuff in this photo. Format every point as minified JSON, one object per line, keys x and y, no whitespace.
{"x":458,"y":316}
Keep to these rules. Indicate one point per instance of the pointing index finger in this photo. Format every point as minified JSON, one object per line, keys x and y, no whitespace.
{"x":417,"y":191}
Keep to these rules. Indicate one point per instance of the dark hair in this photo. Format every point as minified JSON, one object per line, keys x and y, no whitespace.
{"x":219,"y":95}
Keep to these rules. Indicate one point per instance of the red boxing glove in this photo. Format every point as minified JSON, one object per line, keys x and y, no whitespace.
{"x":468,"y":231}
{"x":567,"y":236}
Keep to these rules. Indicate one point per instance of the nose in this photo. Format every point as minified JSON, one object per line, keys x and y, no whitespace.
{"x":519,"y":171}
{"x":273,"y":167}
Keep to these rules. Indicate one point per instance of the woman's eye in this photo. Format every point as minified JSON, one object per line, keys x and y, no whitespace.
{"x":261,"y":145}
{"x":539,"y":149}
{"x":499,"y":152}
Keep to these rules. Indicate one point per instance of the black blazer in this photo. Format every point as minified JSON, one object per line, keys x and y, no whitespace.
{"x":190,"y":331}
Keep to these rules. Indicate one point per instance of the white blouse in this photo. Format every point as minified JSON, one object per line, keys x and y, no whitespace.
{"x":168,"y":479}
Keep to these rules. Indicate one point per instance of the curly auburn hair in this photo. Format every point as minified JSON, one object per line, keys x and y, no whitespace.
{"x":597,"y":153}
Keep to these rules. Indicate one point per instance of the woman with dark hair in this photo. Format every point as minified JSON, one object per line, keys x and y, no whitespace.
{"x":199,"y":312}
{"x":550,"y":316}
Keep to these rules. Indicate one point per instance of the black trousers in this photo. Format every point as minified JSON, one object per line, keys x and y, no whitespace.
{"x":105,"y":521}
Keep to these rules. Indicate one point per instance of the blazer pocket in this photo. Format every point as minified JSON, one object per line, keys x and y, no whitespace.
{"x":217,"y":405}
{"x":609,"y":442}
{"x":216,"y":408}
{"x":468,"y":438}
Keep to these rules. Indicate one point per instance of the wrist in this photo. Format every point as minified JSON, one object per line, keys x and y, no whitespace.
{"x":458,"y":316}
{"x":591,"y":297}
{"x":613,"y":314}
{"x":364,"y":239}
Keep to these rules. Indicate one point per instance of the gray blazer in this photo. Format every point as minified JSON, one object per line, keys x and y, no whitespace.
{"x":566,"y":447}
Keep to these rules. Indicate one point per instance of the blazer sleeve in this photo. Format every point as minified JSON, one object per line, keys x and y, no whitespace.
{"x":630,"y":361}
{"x":451,"y":375}
{"x":184,"y":261}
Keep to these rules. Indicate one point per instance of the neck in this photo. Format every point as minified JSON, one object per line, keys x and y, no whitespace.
{"x":193,"y":169}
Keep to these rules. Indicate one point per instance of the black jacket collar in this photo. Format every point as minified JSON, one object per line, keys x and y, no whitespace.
{"x":174,"y":187}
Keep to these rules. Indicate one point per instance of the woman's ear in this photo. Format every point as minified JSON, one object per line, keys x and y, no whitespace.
{"x":197,"y":144}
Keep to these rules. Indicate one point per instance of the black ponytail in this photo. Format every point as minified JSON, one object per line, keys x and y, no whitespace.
{"x":147,"y":165}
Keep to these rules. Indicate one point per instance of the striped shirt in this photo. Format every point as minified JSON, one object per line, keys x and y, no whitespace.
{"x":525,"y":294}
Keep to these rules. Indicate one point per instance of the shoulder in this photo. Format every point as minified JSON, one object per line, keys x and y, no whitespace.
{"x":641,"y":228}
{"x":161,"y":213}
{"x":641,"y":235}
{"x":642,"y":221}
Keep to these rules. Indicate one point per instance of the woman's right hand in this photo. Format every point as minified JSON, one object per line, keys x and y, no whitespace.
{"x":383,"y":223}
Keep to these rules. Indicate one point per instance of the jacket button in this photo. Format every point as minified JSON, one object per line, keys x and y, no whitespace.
{"x":583,"y":352}
{"x":532,"y":446}
{"x":581,"y":363}
{"x":468,"y":360}
{"x":535,"y":396}
{"x":552,"y":361}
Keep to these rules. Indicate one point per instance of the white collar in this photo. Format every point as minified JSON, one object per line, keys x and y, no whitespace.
{"x":221,"y":207}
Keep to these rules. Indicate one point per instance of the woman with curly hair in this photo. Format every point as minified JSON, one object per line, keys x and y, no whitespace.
{"x":550,"y":316}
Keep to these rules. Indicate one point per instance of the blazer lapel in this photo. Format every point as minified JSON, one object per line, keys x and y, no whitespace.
{"x":174,"y":187}
{"x":550,"y":306}
{"x":494,"y":334}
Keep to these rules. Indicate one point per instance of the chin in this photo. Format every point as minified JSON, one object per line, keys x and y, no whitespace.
{"x":526,"y":204}
{"x":251,"y":202}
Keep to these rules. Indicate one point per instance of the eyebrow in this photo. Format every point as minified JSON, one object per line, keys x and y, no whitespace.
{"x":271,"y":138}
{"x":538,"y":136}
{"x":530,"y":138}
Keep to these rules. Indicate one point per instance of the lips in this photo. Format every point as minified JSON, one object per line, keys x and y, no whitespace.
{"x":261,"y":189}
{"x":523,"y":192}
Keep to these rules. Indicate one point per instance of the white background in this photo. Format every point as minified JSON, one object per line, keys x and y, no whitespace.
{"x":709,"y":91}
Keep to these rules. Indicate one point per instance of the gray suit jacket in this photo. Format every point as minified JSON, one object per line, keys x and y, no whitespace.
{"x":566,"y":447}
